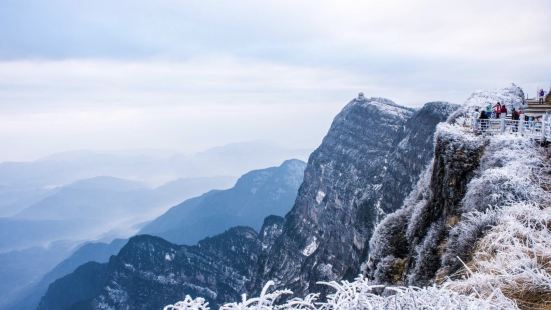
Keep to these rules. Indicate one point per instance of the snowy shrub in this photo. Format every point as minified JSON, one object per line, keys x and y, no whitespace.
{"x":514,"y":257}
{"x":189,"y":304}
{"x":388,"y":246}
{"x":418,"y":201}
{"x":512,"y":97}
{"x":361,"y":294}
{"x":506,"y":175}
{"x":265,"y":301}
{"x":389,"y":236}
{"x":463,"y":237}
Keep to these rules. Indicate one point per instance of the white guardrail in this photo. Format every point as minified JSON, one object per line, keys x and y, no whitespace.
{"x":536,"y":130}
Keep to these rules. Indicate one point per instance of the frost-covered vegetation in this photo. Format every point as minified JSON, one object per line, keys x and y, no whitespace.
{"x":511,"y":96}
{"x":359,"y":294}
{"x":514,"y":256}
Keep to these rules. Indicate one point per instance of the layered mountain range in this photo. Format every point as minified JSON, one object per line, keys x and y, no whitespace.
{"x":257,"y":194}
{"x":369,"y":161}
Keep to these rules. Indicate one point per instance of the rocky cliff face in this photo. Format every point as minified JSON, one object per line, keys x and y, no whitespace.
{"x":412,"y":238}
{"x":363,"y":169}
{"x":150,"y":272}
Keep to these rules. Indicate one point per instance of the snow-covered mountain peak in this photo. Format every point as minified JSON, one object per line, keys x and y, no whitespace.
{"x":384,"y":105}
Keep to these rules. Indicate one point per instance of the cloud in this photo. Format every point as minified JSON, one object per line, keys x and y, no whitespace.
{"x":51,"y":106}
{"x":116,"y":74}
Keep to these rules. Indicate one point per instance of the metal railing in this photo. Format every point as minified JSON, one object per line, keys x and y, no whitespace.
{"x":533,"y":129}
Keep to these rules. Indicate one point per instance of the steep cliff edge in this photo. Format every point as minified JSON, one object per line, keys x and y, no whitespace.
{"x":477,"y":220}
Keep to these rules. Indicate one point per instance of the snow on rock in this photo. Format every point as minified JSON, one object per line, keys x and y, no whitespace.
{"x":319,"y":197}
{"x":383,"y":105}
{"x":311,"y":247}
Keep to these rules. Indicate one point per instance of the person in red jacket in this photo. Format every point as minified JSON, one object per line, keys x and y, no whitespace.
{"x":497,"y":109}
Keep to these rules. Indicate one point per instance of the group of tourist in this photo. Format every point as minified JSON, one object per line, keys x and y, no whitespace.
{"x":498,"y":111}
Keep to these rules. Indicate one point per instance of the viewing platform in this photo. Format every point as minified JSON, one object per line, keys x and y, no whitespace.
{"x":537,"y":130}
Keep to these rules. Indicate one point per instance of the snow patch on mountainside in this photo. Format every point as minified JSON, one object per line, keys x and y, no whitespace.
{"x":311,"y":247}
{"x":319,"y":197}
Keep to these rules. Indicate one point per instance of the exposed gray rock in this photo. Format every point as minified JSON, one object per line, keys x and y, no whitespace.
{"x":365,"y":166}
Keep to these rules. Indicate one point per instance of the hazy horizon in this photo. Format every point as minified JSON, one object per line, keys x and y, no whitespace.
{"x":155,"y":152}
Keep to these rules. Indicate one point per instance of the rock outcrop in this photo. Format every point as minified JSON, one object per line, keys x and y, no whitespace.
{"x":368,"y":162}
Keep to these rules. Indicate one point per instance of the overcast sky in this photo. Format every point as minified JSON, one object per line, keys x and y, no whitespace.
{"x":187,"y":75}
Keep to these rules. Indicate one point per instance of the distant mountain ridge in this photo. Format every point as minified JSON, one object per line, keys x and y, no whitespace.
{"x":25,"y":183}
{"x":98,"y":208}
{"x":256,"y":194}
{"x":89,"y":208}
